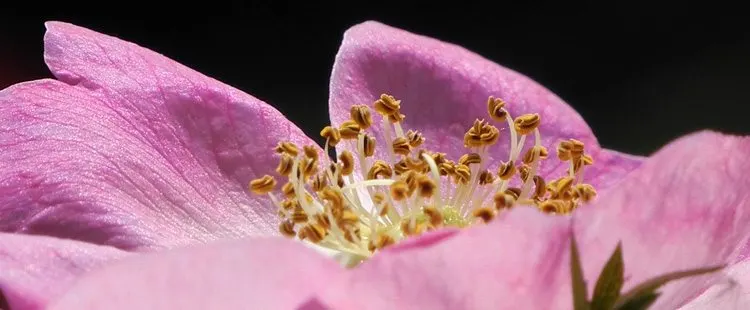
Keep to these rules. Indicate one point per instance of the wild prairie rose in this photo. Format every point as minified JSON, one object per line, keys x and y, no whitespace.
{"x":129,"y":152}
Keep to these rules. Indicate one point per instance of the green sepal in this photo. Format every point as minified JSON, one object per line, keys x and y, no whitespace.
{"x":641,"y":302}
{"x":580,"y":298}
{"x":609,"y":284}
{"x":643,"y":290}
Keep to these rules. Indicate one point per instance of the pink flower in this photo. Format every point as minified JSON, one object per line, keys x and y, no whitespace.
{"x":128,"y":152}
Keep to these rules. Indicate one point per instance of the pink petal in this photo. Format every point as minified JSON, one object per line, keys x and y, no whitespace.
{"x":730,"y":293}
{"x":132,"y":149}
{"x":687,"y":206}
{"x":263,"y":273}
{"x":518,"y":262}
{"x":443,"y":88}
{"x":35,"y":270}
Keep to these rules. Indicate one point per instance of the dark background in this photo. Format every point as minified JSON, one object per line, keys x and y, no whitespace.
{"x":640,"y":74}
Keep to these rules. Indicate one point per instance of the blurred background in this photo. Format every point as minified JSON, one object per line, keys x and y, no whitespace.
{"x":640,"y":74}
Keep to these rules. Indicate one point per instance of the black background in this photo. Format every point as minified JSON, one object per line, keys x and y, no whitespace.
{"x":641,"y":74}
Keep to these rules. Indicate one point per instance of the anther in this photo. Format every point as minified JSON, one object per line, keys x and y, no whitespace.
{"x":333,"y":196}
{"x":486,"y":177}
{"x":504,"y":201}
{"x":369,"y":145}
{"x":525,"y":124}
{"x":380,"y":241}
{"x":331,"y":134}
{"x":434,"y":216}
{"x":347,"y":162}
{"x":401,"y":146}
{"x":540,"y":188}
{"x":379,"y":169}
{"x":401,"y":167}
{"x":288,"y":190}
{"x":263,"y":185}
{"x":506,"y":170}
{"x":415,"y":138}
{"x":513,"y":191}
{"x":285,"y":164}
{"x":399,"y":190}
{"x":319,"y":182}
{"x":534,"y":153}
{"x":313,"y":232}
{"x":287,"y":148}
{"x":310,"y":152}
{"x":584,"y":192}
{"x":495,"y":108}
{"x":426,"y":186}
{"x":349,"y":130}
{"x":471,"y":158}
{"x":286,"y":228}
{"x":298,"y":215}
{"x":462,"y":174}
{"x":360,"y":113}
{"x":485,"y":214}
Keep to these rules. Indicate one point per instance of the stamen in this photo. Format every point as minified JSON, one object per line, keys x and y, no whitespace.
{"x":405,"y":194}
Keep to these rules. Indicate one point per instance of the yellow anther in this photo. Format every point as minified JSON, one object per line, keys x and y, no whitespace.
{"x":378,"y":198}
{"x":380,"y":241}
{"x":399,"y":190}
{"x":524,"y":171}
{"x":481,"y":134}
{"x":387,"y":105}
{"x":412,"y":228}
{"x":310,"y":152}
{"x":287,"y":148}
{"x":379,"y":169}
{"x":332,"y":135}
{"x":401,"y":146}
{"x":504,"y":201}
{"x":285,"y":164}
{"x":433,"y":215}
{"x":368,"y":145}
{"x":400,"y":167}
{"x":560,"y":188}
{"x":525,"y":124}
{"x":347,"y":219}
{"x":333,"y":196}
{"x":471,"y":158}
{"x":349,"y":130}
{"x":416,"y":164}
{"x":506,"y":170}
{"x":495,"y":108}
{"x":319,"y":182}
{"x":439,"y":158}
{"x":563,"y":150}
{"x":514,"y":192}
{"x":576,"y":148}
{"x":360,"y":114}
{"x":288,"y":190}
{"x":462,"y":174}
{"x":534,"y":153}
{"x":263,"y":185}
{"x":289,"y":204}
{"x":286,"y":228}
{"x":587,"y":160}
{"x":322,"y":220}
{"x":298,"y":215}
{"x":556,"y":206}
{"x":485,"y":214}
{"x":347,"y":162}
{"x":415,"y":138}
{"x":584,"y":192}
{"x":313,"y":232}
{"x":411,"y":178}
{"x":486,"y":177}
{"x":540,"y":188}
{"x":309,"y":167}
{"x":385,"y":209}
{"x":447,"y":168}
{"x":426,"y":186}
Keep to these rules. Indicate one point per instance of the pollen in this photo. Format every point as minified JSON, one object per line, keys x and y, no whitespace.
{"x":361,"y":201}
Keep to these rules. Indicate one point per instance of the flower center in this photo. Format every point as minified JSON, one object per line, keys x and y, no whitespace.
{"x":415,"y":190}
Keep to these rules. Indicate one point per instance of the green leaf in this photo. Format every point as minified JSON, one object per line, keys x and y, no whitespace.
{"x":650,"y":286}
{"x":580,"y":298}
{"x":641,"y":302}
{"x":609,"y":284}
